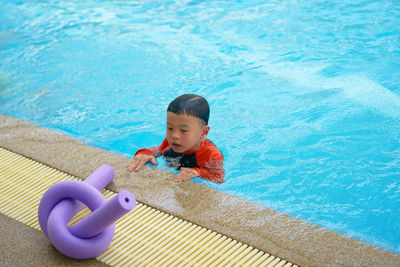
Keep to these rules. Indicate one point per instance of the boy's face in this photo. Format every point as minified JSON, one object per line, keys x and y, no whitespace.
{"x":184,"y":133}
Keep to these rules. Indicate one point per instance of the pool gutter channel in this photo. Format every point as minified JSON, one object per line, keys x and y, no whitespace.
{"x":279,"y":234}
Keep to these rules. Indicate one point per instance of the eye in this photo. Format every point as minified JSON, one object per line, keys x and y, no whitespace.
{"x":184,"y":131}
{"x":169,"y":128}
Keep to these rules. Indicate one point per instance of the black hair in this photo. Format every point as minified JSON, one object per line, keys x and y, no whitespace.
{"x":191,"y":105}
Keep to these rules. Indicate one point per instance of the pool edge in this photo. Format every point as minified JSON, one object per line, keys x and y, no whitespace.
{"x":289,"y":238}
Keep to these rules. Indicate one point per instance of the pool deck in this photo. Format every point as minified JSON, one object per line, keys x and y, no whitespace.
{"x":279,"y":234}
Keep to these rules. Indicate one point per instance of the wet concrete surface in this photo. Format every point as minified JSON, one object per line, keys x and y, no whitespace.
{"x":23,"y":246}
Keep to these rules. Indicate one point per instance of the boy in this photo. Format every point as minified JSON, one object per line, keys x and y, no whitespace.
{"x":186,"y":143}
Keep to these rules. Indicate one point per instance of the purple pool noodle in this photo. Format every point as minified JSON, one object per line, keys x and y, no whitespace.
{"x":93,"y":234}
{"x":104,"y":216}
{"x":65,"y":191}
{"x":101,"y":177}
{"x":70,"y":245}
{"x":58,"y":215}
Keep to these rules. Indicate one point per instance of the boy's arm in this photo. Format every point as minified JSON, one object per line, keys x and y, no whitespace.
{"x":213,"y":169}
{"x":145,"y":155}
{"x":156,"y":151}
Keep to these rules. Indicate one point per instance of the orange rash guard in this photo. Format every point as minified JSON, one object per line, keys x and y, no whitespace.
{"x":207,"y":160}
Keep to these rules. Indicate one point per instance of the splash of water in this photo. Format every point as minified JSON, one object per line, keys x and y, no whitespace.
{"x":357,"y":87}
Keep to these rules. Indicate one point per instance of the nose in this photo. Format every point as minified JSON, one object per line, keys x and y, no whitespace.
{"x":175,"y":135}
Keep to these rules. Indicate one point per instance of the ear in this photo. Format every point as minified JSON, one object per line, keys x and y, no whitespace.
{"x":205,"y":131}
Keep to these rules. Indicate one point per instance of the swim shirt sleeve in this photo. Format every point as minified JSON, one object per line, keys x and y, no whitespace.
{"x":211,"y":166}
{"x":156,"y":151}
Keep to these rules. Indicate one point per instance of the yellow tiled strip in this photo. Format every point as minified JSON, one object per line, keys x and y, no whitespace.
{"x":144,"y":237}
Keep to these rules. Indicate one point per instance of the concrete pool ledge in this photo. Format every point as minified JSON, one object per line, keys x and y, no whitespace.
{"x":279,"y":234}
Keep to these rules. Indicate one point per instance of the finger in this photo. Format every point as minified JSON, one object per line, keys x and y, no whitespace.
{"x":140,"y":164}
{"x":178,"y":177}
{"x":183,"y":178}
{"x":132,"y":164}
{"x":154,"y":161}
{"x":183,"y":175}
{"x":137,"y":162}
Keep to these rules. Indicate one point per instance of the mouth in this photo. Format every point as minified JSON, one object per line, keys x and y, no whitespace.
{"x":174,"y":145}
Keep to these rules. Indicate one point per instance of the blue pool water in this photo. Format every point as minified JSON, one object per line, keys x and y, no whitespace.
{"x":304,"y":95}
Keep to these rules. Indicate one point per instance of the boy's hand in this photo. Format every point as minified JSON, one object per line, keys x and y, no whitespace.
{"x":139,"y":160}
{"x":185,"y":174}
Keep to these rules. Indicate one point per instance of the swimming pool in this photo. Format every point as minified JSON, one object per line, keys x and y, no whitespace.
{"x":305,"y":97}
